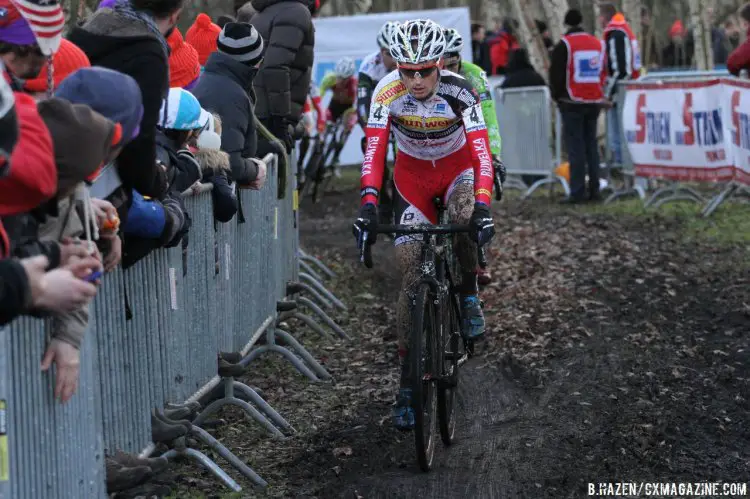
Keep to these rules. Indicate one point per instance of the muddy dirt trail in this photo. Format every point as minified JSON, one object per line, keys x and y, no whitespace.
{"x":617,"y":351}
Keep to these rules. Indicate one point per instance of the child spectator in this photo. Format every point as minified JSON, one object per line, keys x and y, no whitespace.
{"x":215,"y":166}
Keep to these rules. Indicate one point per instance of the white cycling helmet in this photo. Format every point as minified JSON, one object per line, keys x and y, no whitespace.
{"x":417,"y":42}
{"x":345,"y":68}
{"x":385,"y":35}
{"x":454,"y":43}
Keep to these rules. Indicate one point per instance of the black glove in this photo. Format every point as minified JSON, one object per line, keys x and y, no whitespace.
{"x":281,"y":130}
{"x":500,"y":176}
{"x":367,"y":221}
{"x":482,"y":224}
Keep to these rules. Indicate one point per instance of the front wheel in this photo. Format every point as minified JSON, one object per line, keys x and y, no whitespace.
{"x":453,"y":355}
{"x":424,"y":363}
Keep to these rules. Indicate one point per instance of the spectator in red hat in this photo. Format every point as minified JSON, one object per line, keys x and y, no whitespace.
{"x":184,"y":68}
{"x":203,"y":35}
{"x":679,"y":52}
{"x":67,"y":60}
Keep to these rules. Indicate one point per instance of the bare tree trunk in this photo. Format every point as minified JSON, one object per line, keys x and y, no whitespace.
{"x":632,"y":11}
{"x":597,"y":12}
{"x":554,"y":11}
{"x":527,"y":36}
{"x":702,"y":34}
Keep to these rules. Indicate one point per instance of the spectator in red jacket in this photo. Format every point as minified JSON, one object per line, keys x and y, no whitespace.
{"x":502,"y":45}
{"x":740,"y":58}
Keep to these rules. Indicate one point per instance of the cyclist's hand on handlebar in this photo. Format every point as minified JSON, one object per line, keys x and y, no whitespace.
{"x":482,"y":224}
{"x":367,"y":221}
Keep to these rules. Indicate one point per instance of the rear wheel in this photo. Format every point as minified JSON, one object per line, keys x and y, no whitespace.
{"x":424,"y":363}
{"x":453,"y":353}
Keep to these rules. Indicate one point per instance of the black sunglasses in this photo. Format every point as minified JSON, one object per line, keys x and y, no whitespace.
{"x":423,"y":73}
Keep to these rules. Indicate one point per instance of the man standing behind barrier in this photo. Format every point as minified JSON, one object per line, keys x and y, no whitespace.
{"x":576,"y":78}
{"x":623,"y":58}
{"x":284,"y":76}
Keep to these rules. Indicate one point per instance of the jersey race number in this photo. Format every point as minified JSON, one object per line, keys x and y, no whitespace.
{"x":473,"y":118}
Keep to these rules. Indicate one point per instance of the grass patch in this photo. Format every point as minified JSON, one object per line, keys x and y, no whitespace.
{"x":729,"y":225}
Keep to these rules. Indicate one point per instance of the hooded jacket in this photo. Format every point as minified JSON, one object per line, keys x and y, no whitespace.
{"x":225,"y":88}
{"x":70,"y":125}
{"x":114,"y":41}
{"x":284,"y":77}
{"x":32,"y":177}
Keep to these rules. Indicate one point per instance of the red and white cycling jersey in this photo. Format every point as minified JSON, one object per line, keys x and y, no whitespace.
{"x":429,"y":130}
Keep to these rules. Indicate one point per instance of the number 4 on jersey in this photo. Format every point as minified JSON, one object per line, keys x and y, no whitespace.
{"x":378,"y":116}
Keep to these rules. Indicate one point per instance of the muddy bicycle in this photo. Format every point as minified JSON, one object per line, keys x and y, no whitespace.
{"x":436,"y":347}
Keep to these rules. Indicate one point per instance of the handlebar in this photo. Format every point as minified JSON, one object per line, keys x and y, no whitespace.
{"x":365,"y":249}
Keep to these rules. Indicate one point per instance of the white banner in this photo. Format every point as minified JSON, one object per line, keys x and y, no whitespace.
{"x":354,"y":36}
{"x":688,"y":131}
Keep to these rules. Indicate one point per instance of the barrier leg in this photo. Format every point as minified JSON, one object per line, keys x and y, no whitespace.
{"x":211,"y":466}
{"x":514,"y":182}
{"x":310,"y":322}
{"x":307,"y":278}
{"x":675,"y":197}
{"x":717,"y":200}
{"x":668,"y":189}
{"x":306,"y":267}
{"x":217,"y":447}
{"x":305,"y":256}
{"x":541,"y":182}
{"x":301,"y":367}
{"x":302,"y":352}
{"x":250,"y":412}
{"x":264,"y":406}
{"x":316,"y":295}
{"x":324,"y":317}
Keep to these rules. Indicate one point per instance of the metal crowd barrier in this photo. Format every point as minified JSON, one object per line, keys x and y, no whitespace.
{"x":672,"y":191}
{"x":524,"y":116}
{"x":154,"y":337}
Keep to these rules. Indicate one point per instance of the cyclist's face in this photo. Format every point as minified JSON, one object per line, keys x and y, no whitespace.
{"x":421,"y":81}
{"x":390,"y":62}
{"x":453,"y":63}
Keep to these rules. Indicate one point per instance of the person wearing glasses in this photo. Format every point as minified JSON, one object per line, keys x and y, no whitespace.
{"x":443,"y":151}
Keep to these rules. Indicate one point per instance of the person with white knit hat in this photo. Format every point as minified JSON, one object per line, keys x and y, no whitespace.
{"x":225,"y":88}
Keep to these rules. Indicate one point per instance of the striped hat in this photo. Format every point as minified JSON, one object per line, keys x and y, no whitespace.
{"x":30,"y":22}
{"x":242,"y":42}
{"x":181,"y":111}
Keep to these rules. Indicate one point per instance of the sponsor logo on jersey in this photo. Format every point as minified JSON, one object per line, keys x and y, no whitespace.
{"x":372,"y":146}
{"x":440,"y":108}
{"x":409,"y":106}
{"x":468,"y":97}
{"x":391,"y":92}
{"x":485,"y":160}
{"x":425,"y":124}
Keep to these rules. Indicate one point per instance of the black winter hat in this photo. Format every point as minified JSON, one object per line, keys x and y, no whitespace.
{"x":241,"y":41}
{"x":573,"y":17}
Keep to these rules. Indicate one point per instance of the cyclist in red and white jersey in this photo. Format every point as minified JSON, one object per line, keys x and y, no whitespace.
{"x":443,"y":151}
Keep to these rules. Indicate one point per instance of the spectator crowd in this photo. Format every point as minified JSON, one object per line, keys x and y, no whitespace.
{"x":160,"y":115}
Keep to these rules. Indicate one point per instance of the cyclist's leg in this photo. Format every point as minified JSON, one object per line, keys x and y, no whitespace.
{"x":413,"y":205}
{"x":460,"y":204}
{"x":349,"y":119}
